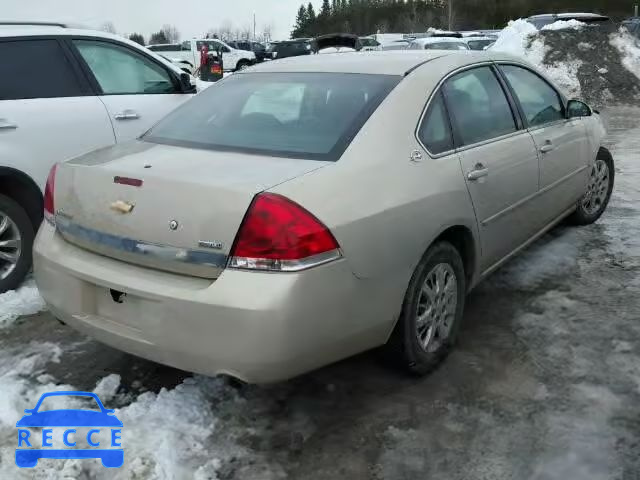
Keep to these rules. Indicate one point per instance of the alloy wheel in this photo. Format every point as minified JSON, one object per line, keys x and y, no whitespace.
{"x":437,"y":305}
{"x":598,"y":188}
{"x":10,"y":245}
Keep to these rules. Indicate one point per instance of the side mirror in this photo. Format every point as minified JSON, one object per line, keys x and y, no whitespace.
{"x":185,"y":84}
{"x":577,"y":109}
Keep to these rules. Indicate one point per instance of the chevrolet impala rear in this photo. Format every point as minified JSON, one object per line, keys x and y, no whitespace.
{"x":181,"y":248}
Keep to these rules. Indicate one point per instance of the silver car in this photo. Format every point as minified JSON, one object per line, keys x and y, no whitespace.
{"x":313,"y":208}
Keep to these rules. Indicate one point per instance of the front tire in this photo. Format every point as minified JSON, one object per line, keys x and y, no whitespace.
{"x":16,"y":242}
{"x":241,"y":65}
{"x":595,"y":200}
{"x":431,"y":312}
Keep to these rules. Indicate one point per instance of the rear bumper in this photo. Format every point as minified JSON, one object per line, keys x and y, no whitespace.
{"x":259,"y":327}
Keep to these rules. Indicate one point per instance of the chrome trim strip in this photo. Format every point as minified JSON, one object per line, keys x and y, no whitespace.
{"x":532,"y":196}
{"x":163,"y":257}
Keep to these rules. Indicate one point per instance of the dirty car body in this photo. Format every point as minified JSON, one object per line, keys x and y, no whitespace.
{"x":265,"y":256}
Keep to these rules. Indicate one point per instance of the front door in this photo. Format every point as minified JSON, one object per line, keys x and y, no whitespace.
{"x":562,"y":144}
{"x":498,"y":161}
{"x":136,"y":90}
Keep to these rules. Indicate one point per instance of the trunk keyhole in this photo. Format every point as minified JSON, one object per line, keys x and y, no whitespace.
{"x":117,"y":296}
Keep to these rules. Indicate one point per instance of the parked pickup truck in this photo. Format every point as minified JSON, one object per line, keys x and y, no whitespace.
{"x":189,"y":50}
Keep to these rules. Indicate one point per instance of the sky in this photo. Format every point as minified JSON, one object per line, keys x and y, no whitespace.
{"x":192,"y":17}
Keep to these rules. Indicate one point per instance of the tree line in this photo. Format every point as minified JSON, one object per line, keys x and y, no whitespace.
{"x":364,"y":17}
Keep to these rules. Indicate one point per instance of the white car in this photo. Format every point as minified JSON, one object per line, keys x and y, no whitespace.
{"x":65,"y":92}
{"x":189,"y":50}
{"x":478,"y":42}
{"x":438,"y":43}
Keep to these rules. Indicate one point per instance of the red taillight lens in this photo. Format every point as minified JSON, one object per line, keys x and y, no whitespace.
{"x":278,"y":234}
{"x":49,"y":189}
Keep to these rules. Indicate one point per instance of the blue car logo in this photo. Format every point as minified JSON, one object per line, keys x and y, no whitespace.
{"x":47,"y":420}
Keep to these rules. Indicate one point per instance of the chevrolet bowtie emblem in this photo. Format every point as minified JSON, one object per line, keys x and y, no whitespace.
{"x":122,"y":207}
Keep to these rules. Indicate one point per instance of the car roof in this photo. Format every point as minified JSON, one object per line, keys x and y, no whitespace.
{"x":567,"y":15}
{"x":378,"y":62}
{"x":429,"y":40}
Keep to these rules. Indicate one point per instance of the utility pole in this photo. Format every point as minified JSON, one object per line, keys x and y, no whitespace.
{"x":450,"y":4}
{"x":635,"y":10}
{"x":254,"y":26}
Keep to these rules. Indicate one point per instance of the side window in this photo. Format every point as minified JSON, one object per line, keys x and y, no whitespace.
{"x":540,"y":102}
{"x":478,"y":106}
{"x":435,"y":131}
{"x":120,"y":70}
{"x":22,"y":76}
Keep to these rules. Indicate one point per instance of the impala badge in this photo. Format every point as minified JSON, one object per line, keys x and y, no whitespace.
{"x":122,"y":207}
{"x":211,"y":244}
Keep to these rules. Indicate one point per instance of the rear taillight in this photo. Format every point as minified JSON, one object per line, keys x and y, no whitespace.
{"x":277,"y":234}
{"x":49,"y":190}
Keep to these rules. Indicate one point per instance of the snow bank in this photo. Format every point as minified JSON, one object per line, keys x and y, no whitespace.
{"x":17,"y":303}
{"x":168,"y":435}
{"x":629,"y":49}
{"x":598,"y":64}
{"x":522,"y":39}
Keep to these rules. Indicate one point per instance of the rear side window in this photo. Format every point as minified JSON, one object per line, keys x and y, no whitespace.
{"x":540,"y":102}
{"x":35,"y":69}
{"x":297,"y":115}
{"x":478,"y":106}
{"x":435,"y":131}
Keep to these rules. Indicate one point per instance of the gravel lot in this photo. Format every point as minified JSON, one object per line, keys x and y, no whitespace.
{"x":545,"y":383}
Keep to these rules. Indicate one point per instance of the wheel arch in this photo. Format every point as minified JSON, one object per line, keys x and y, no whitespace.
{"x":463,"y":240}
{"x":603,"y":152}
{"x":22,"y":189}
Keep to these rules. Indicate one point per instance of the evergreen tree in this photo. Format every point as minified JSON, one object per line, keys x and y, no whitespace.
{"x":302,"y":22}
{"x":325,"y":10}
{"x":137,"y":37}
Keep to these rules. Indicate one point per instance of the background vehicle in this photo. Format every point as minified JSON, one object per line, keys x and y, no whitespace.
{"x":633,"y":25}
{"x":183,"y":65}
{"x":189,"y":50}
{"x":438,"y":43}
{"x":478,"y":42}
{"x":396,"y":45}
{"x":259,"y":49}
{"x":289,"y":48}
{"x":329,"y":229}
{"x":99,"y":89}
{"x":336,"y":42}
{"x":540,"y":21}
{"x":369,"y":44}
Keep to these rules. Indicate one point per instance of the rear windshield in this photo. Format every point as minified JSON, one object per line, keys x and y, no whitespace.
{"x":299,"y":115}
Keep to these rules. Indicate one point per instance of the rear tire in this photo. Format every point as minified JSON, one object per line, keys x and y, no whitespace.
{"x":431,"y":312}
{"x":16,"y":243}
{"x":596,"y":199}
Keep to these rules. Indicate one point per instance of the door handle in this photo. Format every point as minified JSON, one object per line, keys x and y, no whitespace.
{"x":7,"y":125}
{"x":127,"y":115}
{"x":480,"y":171}
{"x":547,"y":147}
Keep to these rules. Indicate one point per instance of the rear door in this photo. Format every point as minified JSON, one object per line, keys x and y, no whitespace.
{"x":136,"y":89}
{"x":48,"y":113}
{"x":562,"y":143}
{"x":498,"y":160}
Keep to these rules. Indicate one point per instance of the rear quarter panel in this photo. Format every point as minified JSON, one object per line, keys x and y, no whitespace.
{"x":384,"y":209}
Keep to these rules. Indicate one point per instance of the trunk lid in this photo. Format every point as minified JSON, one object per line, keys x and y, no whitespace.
{"x":185,"y":215}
